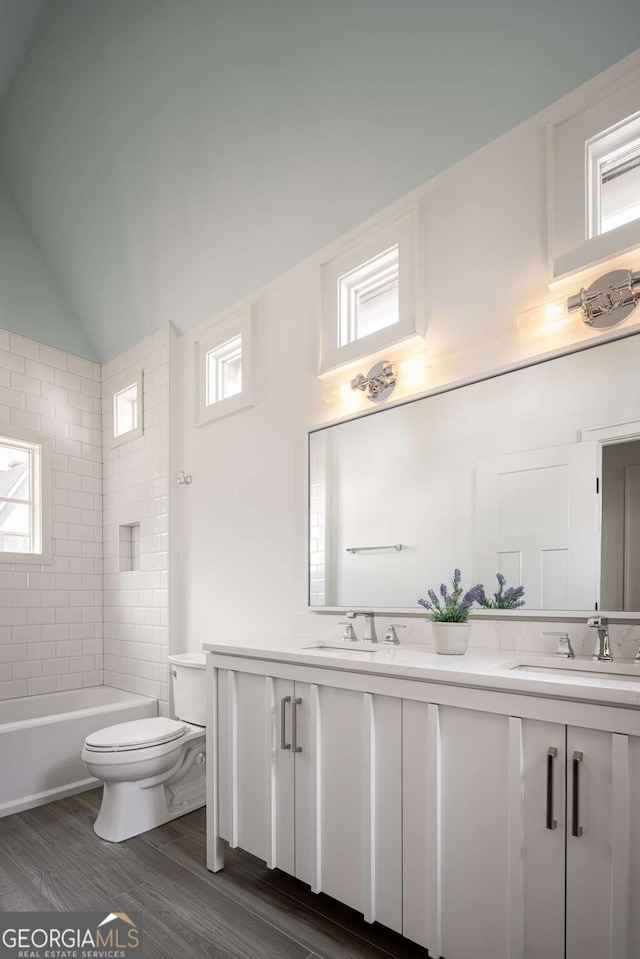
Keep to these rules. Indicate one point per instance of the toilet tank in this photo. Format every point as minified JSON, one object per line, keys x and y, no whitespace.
{"x":188,"y":678}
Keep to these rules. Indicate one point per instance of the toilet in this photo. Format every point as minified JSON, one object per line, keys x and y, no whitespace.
{"x":153,"y":770}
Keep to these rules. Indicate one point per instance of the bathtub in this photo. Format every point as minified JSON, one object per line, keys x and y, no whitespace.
{"x":41,"y":739}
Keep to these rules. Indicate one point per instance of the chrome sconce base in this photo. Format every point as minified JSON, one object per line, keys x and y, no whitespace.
{"x":609,"y":300}
{"x":379,"y":383}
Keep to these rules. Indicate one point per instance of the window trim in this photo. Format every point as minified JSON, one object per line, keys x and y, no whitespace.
{"x":586,"y":116}
{"x":398,"y":231}
{"x":27,"y":437}
{"x":119,"y":384}
{"x":239,"y":323}
{"x":598,"y":147}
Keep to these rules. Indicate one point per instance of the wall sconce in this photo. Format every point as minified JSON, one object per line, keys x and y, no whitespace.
{"x":379,"y":383}
{"x":607,"y":302}
{"x":381,"y":380}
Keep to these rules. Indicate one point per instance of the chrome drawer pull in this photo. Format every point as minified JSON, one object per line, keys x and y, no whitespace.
{"x":294,"y":725}
{"x":283,"y":722}
{"x":552,"y":752}
{"x":576,"y":828}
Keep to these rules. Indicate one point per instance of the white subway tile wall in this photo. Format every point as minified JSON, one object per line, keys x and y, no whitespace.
{"x":51,"y":616}
{"x":136,"y":478}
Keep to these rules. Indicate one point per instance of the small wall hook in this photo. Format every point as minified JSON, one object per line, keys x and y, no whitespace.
{"x":184,"y":480}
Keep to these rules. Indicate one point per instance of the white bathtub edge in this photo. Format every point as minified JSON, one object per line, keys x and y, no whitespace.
{"x":50,"y":795}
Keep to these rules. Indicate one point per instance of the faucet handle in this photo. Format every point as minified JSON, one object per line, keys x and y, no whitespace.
{"x":349,"y":632}
{"x":391,"y":638}
{"x":565,"y":649}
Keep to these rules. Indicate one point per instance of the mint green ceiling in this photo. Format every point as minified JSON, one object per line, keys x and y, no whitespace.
{"x":170,"y":157}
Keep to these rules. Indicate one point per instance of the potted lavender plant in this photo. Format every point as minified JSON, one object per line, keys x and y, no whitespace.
{"x":449,"y":616}
{"x":510,"y":597}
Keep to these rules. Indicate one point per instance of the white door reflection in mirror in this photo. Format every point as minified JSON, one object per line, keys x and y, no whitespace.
{"x":538,"y":520}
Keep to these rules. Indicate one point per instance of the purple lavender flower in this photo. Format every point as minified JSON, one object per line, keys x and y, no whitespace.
{"x":510,"y":598}
{"x":453,"y":607}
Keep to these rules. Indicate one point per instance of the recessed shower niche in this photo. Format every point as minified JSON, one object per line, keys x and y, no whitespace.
{"x":129,"y":547}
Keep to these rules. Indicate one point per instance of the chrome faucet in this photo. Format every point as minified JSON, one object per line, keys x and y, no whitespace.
{"x":565,"y":649}
{"x":369,"y":625}
{"x":602,"y":651}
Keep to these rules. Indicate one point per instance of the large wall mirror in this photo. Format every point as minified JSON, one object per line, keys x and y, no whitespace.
{"x":534,"y":474}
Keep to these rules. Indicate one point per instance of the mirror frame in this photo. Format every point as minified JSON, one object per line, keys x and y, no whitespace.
{"x":521,"y":615}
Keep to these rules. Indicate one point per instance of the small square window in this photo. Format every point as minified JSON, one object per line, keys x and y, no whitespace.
{"x":224,"y":371}
{"x":224,"y":367}
{"x":127,"y":407}
{"x":368,"y":289}
{"x":369,"y":297}
{"x":620,"y":187}
{"x":613,"y":160}
{"x":25,"y":529}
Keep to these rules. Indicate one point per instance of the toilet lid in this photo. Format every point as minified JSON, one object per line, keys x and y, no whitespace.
{"x":135,"y":735}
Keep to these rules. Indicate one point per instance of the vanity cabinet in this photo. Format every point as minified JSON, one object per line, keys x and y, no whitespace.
{"x":476,"y":823}
{"x":483,"y":875}
{"x":603,"y":845}
{"x":309,"y":780}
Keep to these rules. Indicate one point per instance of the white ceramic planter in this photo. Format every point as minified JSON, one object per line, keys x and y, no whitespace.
{"x":451,"y":639}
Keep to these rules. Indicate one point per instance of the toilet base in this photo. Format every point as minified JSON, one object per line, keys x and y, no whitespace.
{"x":131,"y":808}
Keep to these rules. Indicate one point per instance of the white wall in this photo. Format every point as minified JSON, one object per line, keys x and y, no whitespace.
{"x":243,"y":560}
{"x":51,"y":616}
{"x":136,"y":490}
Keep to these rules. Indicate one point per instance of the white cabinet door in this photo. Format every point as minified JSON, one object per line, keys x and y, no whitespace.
{"x":603,"y":845}
{"x":483,"y":875}
{"x":255,"y":773}
{"x":310,"y":780}
{"x":538,"y":523}
{"x":349,"y":800}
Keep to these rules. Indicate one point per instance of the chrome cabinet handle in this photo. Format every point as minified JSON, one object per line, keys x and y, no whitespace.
{"x":294,"y":725}
{"x":283,"y":722}
{"x":552,"y":752}
{"x":576,"y":828}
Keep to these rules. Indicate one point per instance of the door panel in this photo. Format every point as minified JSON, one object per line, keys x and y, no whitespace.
{"x":538,"y":516}
{"x":603,"y":862}
{"x":306,"y":776}
{"x":543,"y":848}
{"x":282,"y":778}
{"x":474,"y":834}
{"x":589,"y":855}
{"x":342,"y":795}
{"x":255,"y":775}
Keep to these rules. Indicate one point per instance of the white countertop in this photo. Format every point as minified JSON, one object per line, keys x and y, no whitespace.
{"x":616,"y":683}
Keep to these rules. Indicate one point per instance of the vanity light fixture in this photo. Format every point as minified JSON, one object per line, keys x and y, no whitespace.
{"x":381,"y":379}
{"x":379,"y":383}
{"x":607,"y":302}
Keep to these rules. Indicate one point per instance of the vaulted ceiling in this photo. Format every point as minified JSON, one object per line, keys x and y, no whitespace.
{"x":169,"y":157}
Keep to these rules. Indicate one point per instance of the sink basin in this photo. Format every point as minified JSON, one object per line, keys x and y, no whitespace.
{"x":346,"y":647}
{"x":582,"y":671}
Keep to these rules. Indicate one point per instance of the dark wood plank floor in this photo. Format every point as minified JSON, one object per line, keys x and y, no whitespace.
{"x":51,"y":859}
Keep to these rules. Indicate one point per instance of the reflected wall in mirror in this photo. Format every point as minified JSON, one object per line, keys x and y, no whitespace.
{"x":534,"y":474}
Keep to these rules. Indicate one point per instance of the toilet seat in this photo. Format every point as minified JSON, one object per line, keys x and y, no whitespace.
{"x":136,"y":735}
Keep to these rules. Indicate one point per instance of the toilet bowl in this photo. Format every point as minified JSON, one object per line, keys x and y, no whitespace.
{"x":153,"y":770}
